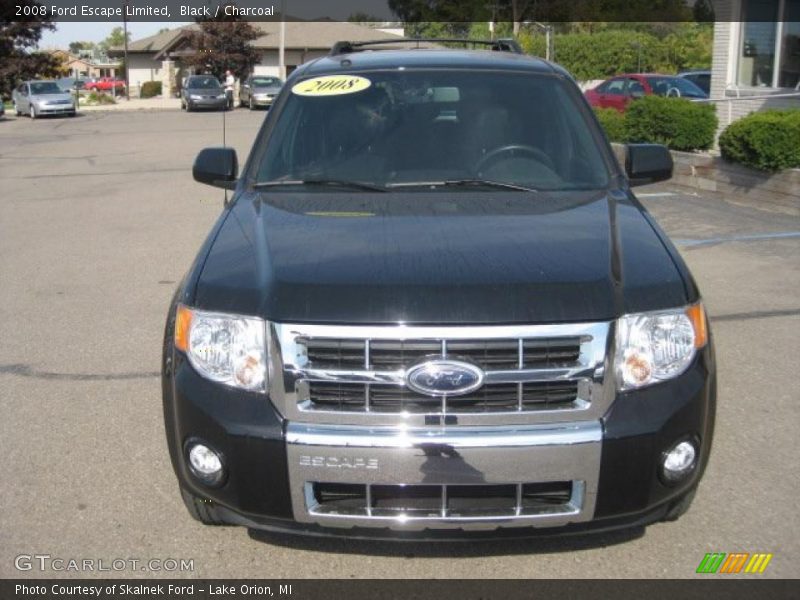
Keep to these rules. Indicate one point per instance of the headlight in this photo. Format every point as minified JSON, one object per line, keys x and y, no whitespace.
{"x":195,"y":97}
{"x":221,"y":96}
{"x":656,"y":346}
{"x":229,"y":349}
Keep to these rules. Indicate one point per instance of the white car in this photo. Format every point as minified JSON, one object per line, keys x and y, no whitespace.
{"x":38,"y":98}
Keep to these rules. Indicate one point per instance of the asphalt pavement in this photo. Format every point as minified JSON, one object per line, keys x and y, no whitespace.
{"x":99,"y":220}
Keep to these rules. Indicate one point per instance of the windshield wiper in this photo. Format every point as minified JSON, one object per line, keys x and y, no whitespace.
{"x":356,"y":185}
{"x":465,"y":183}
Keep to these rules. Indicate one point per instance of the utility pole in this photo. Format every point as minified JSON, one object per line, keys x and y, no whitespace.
{"x":125,"y":52}
{"x":548,"y":37}
{"x":282,"y":43}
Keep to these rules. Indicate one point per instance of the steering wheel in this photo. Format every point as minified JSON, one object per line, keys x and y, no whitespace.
{"x":673,"y":92}
{"x":531,"y":151}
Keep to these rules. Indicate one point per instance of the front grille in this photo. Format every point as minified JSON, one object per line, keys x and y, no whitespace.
{"x":441,"y":501}
{"x":490,"y":355}
{"x":357,"y":374}
{"x":505,"y":397}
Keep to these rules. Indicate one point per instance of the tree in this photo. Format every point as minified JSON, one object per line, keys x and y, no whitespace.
{"x":115,"y":39}
{"x":19,"y":59}
{"x":77,"y":47}
{"x":223,"y":44}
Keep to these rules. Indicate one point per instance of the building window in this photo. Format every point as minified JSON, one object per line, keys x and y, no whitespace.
{"x":769,"y":46}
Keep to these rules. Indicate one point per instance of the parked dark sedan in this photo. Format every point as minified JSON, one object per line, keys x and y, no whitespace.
{"x":259,"y":91}
{"x":701,"y":78}
{"x":203,"y":91}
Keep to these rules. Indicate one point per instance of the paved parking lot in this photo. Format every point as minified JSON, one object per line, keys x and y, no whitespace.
{"x":100,"y":218}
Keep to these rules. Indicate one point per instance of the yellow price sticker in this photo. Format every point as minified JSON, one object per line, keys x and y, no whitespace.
{"x":331,"y":85}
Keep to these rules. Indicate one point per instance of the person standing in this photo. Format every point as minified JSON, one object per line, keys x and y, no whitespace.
{"x":230,"y":83}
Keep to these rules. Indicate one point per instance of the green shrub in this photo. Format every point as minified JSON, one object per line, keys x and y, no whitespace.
{"x":100,"y":98}
{"x":676,"y":122}
{"x":768,"y":140}
{"x":150,"y":89}
{"x":612,"y":122}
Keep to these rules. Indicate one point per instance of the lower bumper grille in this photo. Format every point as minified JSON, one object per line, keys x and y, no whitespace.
{"x":455,"y":477}
{"x":441,"y":501}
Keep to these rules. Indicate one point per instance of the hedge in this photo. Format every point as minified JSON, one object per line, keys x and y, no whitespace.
{"x":150,"y":89}
{"x":769,"y":140}
{"x":677,"y":123}
{"x":100,"y":98}
{"x":612,"y":122}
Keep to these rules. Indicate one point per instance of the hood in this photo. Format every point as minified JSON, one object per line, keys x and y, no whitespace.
{"x":52,"y":96}
{"x":425,"y":258}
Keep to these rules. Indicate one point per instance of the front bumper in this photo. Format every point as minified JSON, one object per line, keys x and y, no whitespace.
{"x":55,"y":109}
{"x":263,"y":100}
{"x":210,"y":103}
{"x":272,"y":464}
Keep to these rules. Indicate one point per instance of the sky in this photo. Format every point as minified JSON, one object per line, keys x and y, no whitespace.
{"x":96,"y":32}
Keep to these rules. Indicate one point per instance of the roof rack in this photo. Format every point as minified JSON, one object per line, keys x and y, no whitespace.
{"x":503,"y":45}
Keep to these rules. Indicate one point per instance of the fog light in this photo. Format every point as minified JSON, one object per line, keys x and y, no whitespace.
{"x":679,"y":461}
{"x":205,"y":464}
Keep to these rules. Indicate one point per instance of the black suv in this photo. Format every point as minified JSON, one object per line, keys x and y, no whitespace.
{"x":433,"y":308}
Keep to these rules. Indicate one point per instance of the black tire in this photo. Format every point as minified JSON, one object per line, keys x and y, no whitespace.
{"x":189,"y":107}
{"x":202,"y":510}
{"x":252,"y":106}
{"x":17,"y":111}
{"x":33,"y":113}
{"x":680,"y":506}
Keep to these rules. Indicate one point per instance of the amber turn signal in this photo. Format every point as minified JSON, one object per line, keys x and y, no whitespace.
{"x":183,"y":320}
{"x":697,"y":315}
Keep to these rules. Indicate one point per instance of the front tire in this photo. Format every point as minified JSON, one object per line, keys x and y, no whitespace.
{"x":189,"y":107}
{"x":17,"y":110}
{"x":252,"y":106}
{"x":202,"y":510}
{"x":33,"y":112}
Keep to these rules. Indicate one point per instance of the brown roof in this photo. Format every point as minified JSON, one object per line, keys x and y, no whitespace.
{"x":302,"y":35}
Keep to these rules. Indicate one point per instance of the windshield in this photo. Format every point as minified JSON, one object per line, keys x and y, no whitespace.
{"x":421,"y":128}
{"x":266,"y":81}
{"x":45,"y":87}
{"x":675,"y":86}
{"x":203,"y":83}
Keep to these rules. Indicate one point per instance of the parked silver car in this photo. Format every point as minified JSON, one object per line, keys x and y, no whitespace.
{"x":38,"y":98}
{"x":259,"y":90}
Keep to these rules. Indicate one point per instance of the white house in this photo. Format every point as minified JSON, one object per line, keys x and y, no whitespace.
{"x":756,"y":57}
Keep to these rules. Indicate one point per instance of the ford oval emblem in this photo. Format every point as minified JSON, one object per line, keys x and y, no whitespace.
{"x":444,"y":377}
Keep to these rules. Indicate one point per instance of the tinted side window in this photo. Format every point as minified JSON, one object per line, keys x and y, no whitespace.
{"x":635,"y":87}
{"x":616,"y":87}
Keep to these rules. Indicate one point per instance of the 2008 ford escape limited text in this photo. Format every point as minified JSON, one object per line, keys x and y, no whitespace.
{"x":434,"y":309}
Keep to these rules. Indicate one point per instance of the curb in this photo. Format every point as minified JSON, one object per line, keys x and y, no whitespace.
{"x":705,"y":172}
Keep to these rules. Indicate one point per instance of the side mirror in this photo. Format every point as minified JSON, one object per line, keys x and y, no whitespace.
{"x":216,"y":166}
{"x":647,"y":163}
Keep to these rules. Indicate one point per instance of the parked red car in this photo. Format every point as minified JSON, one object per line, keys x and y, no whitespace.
{"x":619,"y":91}
{"x":105,"y":84}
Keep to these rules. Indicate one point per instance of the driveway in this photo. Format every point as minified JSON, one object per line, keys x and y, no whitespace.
{"x":99,"y":220}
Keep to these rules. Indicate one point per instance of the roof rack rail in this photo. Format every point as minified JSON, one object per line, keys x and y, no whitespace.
{"x":502,"y":45}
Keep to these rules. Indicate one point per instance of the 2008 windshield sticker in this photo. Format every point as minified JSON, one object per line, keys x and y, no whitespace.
{"x":331,"y":85}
